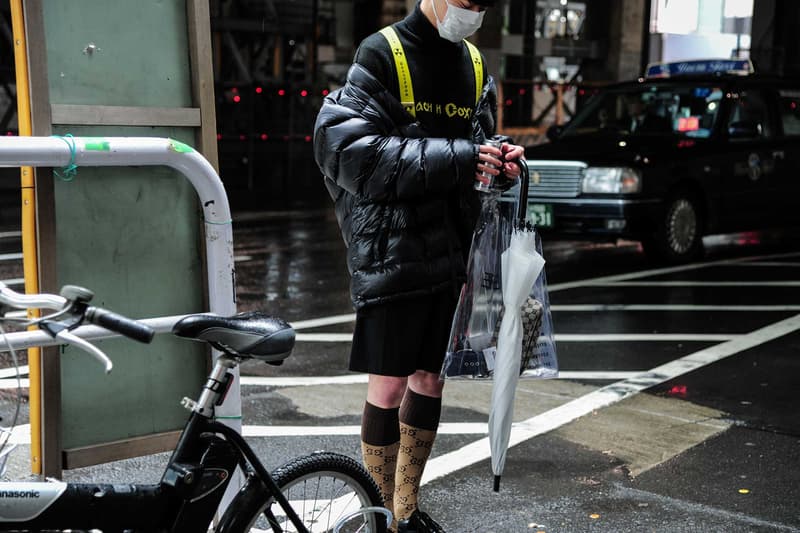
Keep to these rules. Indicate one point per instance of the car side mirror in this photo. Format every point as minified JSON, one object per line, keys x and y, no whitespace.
{"x":554,"y":132}
{"x":744,"y":129}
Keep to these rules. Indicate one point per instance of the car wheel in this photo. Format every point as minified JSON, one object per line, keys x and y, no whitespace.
{"x":679,"y":235}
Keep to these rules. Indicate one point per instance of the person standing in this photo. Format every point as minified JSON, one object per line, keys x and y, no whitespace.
{"x":400,"y":147}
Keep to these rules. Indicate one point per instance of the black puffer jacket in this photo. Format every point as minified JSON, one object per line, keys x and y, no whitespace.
{"x":404,"y":202}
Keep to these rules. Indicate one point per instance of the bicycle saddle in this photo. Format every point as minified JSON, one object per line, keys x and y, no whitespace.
{"x":252,"y":334}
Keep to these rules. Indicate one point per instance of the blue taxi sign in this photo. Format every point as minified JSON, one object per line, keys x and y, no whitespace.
{"x":699,"y":66}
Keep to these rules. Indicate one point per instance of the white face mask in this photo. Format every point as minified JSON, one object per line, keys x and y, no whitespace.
{"x":458,"y":23}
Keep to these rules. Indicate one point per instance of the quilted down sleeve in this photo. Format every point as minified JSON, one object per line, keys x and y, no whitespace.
{"x":357,"y":146}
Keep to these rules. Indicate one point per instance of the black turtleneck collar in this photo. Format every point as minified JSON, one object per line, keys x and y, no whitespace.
{"x":419,"y":26}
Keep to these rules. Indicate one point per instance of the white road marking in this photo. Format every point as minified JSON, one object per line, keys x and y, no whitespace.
{"x":14,"y":281}
{"x":479,"y":450}
{"x":325,"y":321}
{"x":10,"y":257}
{"x":563,"y":337}
{"x":12,"y":372}
{"x":454,"y":428}
{"x":353,"y":379}
{"x":786,"y":283}
{"x":671,"y":307}
{"x":22,"y":432}
{"x":11,"y":383}
{"x":10,"y":234}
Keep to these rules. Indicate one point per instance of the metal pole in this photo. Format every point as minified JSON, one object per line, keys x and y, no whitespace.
{"x":147,"y":151}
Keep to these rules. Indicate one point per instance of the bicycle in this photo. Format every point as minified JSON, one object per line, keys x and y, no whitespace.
{"x":323,"y":491}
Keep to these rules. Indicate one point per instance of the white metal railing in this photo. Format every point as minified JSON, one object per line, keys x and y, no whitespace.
{"x":144,"y":151}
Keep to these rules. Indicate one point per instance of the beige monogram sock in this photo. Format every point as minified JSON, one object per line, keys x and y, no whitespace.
{"x":381,"y":462}
{"x":415,"y":448}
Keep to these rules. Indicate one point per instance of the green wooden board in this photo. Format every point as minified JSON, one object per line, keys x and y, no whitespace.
{"x":132,"y":235}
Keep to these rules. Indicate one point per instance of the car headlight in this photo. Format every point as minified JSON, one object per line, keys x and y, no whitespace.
{"x":611,"y":180}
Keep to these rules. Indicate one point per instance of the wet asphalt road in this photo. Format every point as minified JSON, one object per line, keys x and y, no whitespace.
{"x":676,"y":410}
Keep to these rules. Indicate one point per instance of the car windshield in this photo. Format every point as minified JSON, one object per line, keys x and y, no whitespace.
{"x":688,"y":111}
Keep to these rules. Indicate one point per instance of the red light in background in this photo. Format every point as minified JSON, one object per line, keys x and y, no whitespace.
{"x":237,"y":98}
{"x":793,"y":105}
{"x":259,"y":90}
{"x":522,"y":91}
{"x":219,"y":136}
{"x":234,"y":90}
{"x":281,"y":92}
{"x":9,"y":134}
{"x":242,"y":137}
{"x":581,"y":92}
{"x":303,"y":93}
{"x":688,"y":123}
{"x":308,"y":138}
{"x":678,"y":390}
{"x":325,"y":92}
{"x":509,"y":102}
{"x":264,"y":137}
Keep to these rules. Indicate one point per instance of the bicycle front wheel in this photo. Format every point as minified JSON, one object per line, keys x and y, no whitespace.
{"x":329,"y":492}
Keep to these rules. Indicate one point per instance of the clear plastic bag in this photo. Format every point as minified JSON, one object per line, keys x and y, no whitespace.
{"x":476,"y":323}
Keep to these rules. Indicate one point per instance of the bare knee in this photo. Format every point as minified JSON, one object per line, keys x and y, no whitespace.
{"x":386,"y":391}
{"x":426,"y":383}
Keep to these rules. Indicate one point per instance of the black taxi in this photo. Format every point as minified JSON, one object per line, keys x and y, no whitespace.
{"x":692,"y":148}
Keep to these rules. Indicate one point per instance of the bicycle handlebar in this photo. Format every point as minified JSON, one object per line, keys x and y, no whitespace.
{"x":73,"y":310}
{"x":30,"y":301}
{"x":120,"y":324}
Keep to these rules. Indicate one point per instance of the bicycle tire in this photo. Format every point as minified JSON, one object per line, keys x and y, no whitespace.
{"x":322,"y":488}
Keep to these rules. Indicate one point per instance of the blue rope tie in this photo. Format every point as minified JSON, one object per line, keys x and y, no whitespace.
{"x":68,"y":172}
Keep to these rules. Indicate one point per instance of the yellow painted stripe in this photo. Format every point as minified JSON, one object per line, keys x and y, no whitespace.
{"x":29,"y":253}
{"x":403,"y":73}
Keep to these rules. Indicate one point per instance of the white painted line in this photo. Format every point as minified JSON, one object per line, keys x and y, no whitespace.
{"x":563,"y":337}
{"x":14,"y":281}
{"x":786,"y":283}
{"x":12,"y":372}
{"x":301,"y":381}
{"x":454,"y":428}
{"x":771,"y":263}
{"x":355,"y":379}
{"x":10,"y":234}
{"x":472,"y":453}
{"x":325,"y":321}
{"x":324,"y":337}
{"x":10,"y":257}
{"x":21,"y":433}
{"x":601,"y":375}
{"x":242,"y":258}
{"x":11,"y":383}
{"x":671,"y":307}
{"x":628,"y":337}
{"x":661,"y":271}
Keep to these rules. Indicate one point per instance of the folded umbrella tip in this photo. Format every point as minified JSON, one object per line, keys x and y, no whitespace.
{"x":497,"y":483}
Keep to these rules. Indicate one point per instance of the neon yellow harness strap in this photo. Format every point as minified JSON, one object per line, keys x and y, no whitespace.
{"x":477,"y":65}
{"x":403,"y":74}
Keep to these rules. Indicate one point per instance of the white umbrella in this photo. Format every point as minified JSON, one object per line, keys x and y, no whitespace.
{"x":521,"y":265}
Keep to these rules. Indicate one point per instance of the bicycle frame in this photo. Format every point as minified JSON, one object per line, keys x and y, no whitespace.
{"x":185,"y":500}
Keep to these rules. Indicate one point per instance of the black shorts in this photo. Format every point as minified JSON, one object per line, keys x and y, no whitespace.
{"x":399,"y":338}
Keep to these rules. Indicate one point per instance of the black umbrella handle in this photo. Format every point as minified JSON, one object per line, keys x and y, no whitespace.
{"x":522,"y":209}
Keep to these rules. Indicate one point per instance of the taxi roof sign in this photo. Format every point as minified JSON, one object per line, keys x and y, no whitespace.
{"x":699,"y":66}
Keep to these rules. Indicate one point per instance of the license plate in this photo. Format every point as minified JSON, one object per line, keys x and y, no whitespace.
{"x":540,"y":215}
